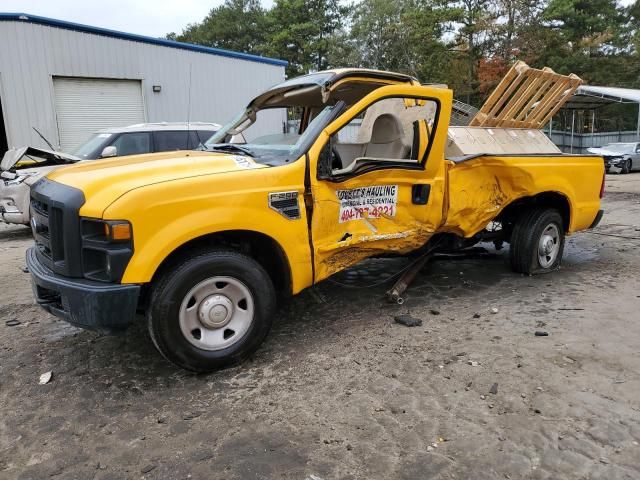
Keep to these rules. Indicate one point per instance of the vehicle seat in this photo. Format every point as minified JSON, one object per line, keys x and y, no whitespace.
{"x":387,"y":139}
{"x":349,"y":152}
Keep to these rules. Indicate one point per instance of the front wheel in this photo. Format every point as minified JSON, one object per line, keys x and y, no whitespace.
{"x":626,"y":167}
{"x":537,"y":242}
{"x":211,"y":310}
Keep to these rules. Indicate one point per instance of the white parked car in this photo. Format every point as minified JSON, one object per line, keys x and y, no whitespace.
{"x":619,"y":157}
{"x":22,"y":167}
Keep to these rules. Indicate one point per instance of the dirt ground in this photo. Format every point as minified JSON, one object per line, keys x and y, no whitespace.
{"x":340,"y":391}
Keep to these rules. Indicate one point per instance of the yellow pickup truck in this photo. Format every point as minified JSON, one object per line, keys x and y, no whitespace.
{"x":337,"y":166}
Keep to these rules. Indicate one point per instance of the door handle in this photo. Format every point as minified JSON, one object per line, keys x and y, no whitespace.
{"x":420,"y":193}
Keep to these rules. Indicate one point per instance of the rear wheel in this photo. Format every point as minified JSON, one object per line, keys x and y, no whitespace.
{"x":537,"y":242}
{"x":211,"y":310}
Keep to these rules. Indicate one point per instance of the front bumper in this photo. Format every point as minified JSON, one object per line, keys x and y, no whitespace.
{"x":103,"y":307}
{"x":615,"y":162}
{"x":14,"y":203}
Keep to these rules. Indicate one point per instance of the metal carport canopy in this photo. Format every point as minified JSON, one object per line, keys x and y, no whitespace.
{"x":588,"y":97}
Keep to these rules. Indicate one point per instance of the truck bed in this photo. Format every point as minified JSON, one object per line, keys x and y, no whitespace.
{"x":481,"y":186}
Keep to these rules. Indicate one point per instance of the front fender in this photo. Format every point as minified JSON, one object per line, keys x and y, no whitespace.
{"x":168,"y":215}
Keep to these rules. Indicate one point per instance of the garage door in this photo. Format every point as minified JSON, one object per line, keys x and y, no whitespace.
{"x":85,"y":105}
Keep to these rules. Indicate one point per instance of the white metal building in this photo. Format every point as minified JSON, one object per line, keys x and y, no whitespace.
{"x":69,"y":80}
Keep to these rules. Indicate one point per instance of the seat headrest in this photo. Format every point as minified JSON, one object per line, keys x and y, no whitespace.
{"x":386,"y":129}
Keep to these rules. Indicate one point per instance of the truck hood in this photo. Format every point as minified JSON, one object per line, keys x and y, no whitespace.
{"x":103,"y":181}
{"x":605,"y":153}
{"x":33,"y":156}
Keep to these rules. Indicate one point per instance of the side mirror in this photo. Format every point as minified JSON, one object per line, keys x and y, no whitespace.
{"x":325,"y":160}
{"x":109,"y":152}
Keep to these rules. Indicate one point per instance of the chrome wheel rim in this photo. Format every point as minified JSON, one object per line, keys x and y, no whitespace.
{"x":216,"y":313}
{"x":549,"y":245}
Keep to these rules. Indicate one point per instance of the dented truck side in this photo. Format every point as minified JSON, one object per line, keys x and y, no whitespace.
{"x":206,"y":242}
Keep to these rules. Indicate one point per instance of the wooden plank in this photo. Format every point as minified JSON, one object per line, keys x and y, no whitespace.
{"x":511,"y":75}
{"x":551,"y":99}
{"x":573,"y":87}
{"x":500,"y":102}
{"x":529,"y":90}
{"x":526,"y":97}
{"x":544,"y":87}
{"x":556,"y":88}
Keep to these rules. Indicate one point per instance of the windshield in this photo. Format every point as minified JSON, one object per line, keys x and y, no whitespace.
{"x":271,"y":134}
{"x":619,"y":147}
{"x":88,"y":148}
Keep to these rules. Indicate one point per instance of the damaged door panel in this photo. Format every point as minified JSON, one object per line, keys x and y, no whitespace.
{"x":366,"y":171}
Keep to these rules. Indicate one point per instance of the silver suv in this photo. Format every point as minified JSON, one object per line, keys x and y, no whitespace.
{"x":22,"y":167}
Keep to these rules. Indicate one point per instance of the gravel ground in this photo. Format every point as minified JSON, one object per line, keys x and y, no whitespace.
{"x":340,"y":390}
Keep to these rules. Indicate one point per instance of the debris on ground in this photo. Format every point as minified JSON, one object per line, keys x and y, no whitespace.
{"x":45,"y":378}
{"x":473,"y":363}
{"x":408,"y":320}
{"x":494,"y":389}
{"x":148,"y":468}
{"x":541,"y":333}
{"x":494,"y":310}
{"x":12,"y":323}
{"x":433,"y":311}
{"x":476,"y":315}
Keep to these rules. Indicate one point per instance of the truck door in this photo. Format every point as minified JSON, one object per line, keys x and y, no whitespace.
{"x":377,"y":177}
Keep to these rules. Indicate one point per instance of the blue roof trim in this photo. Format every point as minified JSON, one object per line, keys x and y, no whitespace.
{"x":52,"y":22}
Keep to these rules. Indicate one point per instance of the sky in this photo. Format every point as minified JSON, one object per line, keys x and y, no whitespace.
{"x":155,"y":18}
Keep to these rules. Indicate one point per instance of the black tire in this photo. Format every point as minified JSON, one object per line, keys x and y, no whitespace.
{"x":525,"y":239}
{"x":173,"y":284}
{"x":627,"y":166}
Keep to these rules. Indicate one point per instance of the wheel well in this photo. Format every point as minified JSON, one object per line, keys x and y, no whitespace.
{"x":262,"y":248}
{"x":546,"y":199}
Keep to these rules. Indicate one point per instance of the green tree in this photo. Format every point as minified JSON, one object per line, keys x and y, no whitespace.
{"x":634,"y":26}
{"x":237,"y":25}
{"x":475,"y":38}
{"x":303,"y":31}
{"x":403,"y":35}
{"x":517,"y":36}
{"x":589,"y":39}
{"x":585,"y":27}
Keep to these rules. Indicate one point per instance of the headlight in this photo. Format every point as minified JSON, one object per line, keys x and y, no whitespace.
{"x":615,"y":159}
{"x":107,"y":247}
